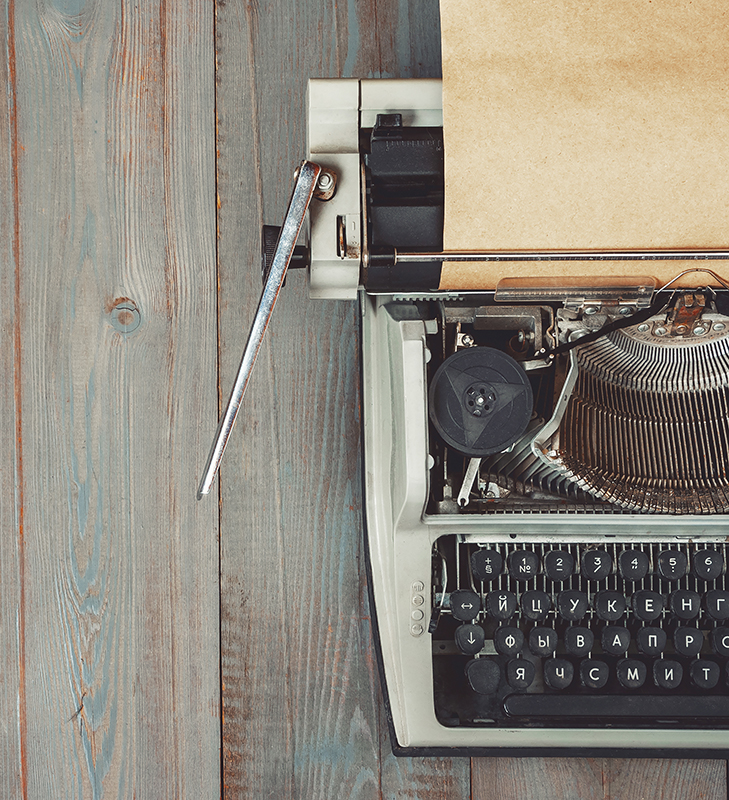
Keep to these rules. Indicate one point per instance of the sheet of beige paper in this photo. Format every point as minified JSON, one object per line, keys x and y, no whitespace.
{"x":572,"y":124}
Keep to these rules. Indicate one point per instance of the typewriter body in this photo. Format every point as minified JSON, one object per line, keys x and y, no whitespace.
{"x":545,"y":470}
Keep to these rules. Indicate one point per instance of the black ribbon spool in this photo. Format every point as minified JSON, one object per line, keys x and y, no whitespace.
{"x":480,"y":401}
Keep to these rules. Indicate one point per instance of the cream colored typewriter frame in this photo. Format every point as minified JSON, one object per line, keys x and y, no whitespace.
{"x":394,"y":392}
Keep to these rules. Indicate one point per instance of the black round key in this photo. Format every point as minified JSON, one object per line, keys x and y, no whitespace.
{"x":535,"y":605}
{"x":596,"y":564}
{"x":720,"y":641}
{"x":523,"y":564}
{"x":633,"y":565}
{"x":484,"y":675}
{"x":717,"y":604}
{"x":688,"y":641}
{"x":501,"y":605}
{"x":559,"y":565}
{"x":707,"y":564}
{"x":615,"y":640}
{"x":667,"y":673}
{"x":572,"y":605}
{"x":593,"y":673}
{"x":672,"y":564}
{"x":651,"y":641}
{"x":508,"y":641}
{"x":465,"y":604}
{"x":469,"y":639}
{"x":486,"y":564}
{"x":684,"y":604}
{"x":631,"y":673}
{"x":558,"y":673}
{"x":542,"y":641}
{"x":520,"y":673}
{"x":610,"y":606}
{"x":705,"y":674}
{"x":647,"y":605}
{"x":578,"y":641}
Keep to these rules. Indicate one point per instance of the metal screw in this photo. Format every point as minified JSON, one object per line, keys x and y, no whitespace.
{"x":681,"y":329}
{"x":719,"y":326}
{"x":467,"y":340}
{"x":699,"y":330}
{"x":625,"y":311}
{"x":660,"y":331}
{"x":590,"y":310}
{"x":643,"y":327}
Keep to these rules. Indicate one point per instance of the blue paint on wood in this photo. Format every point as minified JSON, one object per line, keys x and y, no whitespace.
{"x":352,"y":41}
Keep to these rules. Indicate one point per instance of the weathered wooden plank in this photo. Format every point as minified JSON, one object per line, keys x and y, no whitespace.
{"x":665,"y":779}
{"x":12,"y":700}
{"x":537,"y":779}
{"x":116,"y":267}
{"x":302,"y":708}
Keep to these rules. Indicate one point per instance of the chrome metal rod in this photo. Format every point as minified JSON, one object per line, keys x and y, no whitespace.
{"x":564,"y":255}
{"x":306,"y":181}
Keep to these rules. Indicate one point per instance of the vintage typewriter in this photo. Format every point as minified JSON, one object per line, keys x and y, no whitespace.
{"x":545,"y":467}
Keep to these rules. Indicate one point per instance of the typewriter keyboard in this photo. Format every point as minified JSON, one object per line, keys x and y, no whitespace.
{"x":580,"y":635}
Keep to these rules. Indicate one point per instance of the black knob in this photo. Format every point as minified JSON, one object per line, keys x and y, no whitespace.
{"x":269,"y":239}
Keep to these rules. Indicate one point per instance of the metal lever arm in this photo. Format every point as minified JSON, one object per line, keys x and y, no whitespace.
{"x":307,"y":177}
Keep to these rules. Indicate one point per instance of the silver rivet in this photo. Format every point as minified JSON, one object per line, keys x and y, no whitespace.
{"x":418,"y":600}
{"x":416,"y":629}
{"x":417,"y":614}
{"x":418,"y":586}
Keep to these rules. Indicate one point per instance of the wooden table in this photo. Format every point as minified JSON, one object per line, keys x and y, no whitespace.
{"x":152,"y":645}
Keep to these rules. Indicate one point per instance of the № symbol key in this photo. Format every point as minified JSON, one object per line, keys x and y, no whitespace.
{"x":523,"y":564}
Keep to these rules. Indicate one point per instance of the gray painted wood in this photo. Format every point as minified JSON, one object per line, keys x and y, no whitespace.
{"x":113,"y":140}
{"x":12,"y":716}
{"x":303,"y":715}
{"x":658,"y":779}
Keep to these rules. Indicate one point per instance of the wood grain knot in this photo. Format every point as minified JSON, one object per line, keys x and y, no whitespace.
{"x":125,"y":316}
